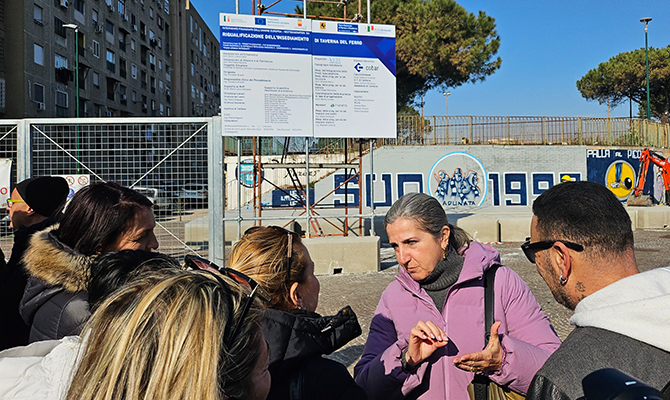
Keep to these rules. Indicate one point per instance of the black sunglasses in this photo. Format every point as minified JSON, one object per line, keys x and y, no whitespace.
{"x":529,"y":248}
{"x":289,"y":250}
{"x":199,"y":263}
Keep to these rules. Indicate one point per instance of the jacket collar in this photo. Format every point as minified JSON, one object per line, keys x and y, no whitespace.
{"x":478,"y":258}
{"x":55,"y":263}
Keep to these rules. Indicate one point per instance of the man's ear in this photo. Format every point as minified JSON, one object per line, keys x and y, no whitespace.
{"x":562,"y":259}
{"x":30,"y":211}
{"x":295,"y":295}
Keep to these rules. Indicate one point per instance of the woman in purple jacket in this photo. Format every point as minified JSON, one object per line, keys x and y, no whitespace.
{"x":427,"y":334}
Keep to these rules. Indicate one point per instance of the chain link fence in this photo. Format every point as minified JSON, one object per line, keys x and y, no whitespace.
{"x":166,"y":159}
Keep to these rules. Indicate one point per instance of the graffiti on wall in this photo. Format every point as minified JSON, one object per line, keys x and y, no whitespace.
{"x":617,"y":170}
{"x":456,"y":180}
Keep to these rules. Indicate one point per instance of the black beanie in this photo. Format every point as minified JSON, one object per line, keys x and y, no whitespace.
{"x":44,"y":194}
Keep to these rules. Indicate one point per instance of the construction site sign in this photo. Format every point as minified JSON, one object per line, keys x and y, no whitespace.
{"x":298,"y":77}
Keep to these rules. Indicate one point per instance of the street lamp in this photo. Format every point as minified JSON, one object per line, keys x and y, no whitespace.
{"x":646,"y":56}
{"x":446,"y":96}
{"x":76,"y":60}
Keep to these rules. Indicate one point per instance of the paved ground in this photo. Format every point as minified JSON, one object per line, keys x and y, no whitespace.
{"x":362,"y":291}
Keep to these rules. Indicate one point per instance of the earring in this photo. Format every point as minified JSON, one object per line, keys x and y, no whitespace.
{"x":300,"y":307}
{"x":562,"y":280}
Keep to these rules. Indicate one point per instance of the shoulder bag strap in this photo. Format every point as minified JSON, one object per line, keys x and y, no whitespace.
{"x":480,"y":382}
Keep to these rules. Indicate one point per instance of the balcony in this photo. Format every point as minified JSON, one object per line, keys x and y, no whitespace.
{"x":64,"y":75}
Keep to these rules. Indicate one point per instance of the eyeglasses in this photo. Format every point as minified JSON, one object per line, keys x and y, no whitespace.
{"x":289,"y":250}
{"x":11,"y":202}
{"x":529,"y":248}
{"x":199,"y":263}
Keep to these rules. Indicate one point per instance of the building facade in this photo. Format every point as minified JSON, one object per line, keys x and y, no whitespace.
{"x":112,"y":58}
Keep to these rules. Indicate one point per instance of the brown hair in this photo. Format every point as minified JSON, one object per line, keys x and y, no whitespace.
{"x":262,"y":255}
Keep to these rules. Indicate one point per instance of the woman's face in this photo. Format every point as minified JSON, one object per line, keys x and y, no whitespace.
{"x":310,"y":287}
{"x":260,"y":375}
{"x":416,"y":250}
{"x":139,"y":236}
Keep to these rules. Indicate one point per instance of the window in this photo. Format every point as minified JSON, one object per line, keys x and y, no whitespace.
{"x":133,"y":96}
{"x":37,"y":15}
{"x":61,"y":99}
{"x":109,"y":26}
{"x":39,"y":54}
{"x":133,"y":71}
{"x":96,"y":49}
{"x":79,"y":6}
{"x":191,"y":23}
{"x":151,"y":12}
{"x":60,"y":61}
{"x":160,"y":64}
{"x":153,"y":85}
{"x":122,"y":40}
{"x":132,"y":44}
{"x":96,"y":79}
{"x":39,"y":93}
{"x":192,"y":69}
{"x":159,"y":21}
{"x":111,"y":66}
{"x":58,"y":27}
{"x":94,"y":17}
{"x":152,"y":35}
{"x":193,"y":91}
{"x":122,"y":67}
{"x":122,"y":7}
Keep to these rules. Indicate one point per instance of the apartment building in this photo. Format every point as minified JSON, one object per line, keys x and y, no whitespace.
{"x":114,"y":58}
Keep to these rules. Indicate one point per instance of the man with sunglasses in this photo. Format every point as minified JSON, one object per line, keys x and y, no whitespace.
{"x":582,"y":244}
{"x":34,"y":205}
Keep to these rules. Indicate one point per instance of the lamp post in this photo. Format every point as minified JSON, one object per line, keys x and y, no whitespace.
{"x":446,"y":96}
{"x":646,"y":56}
{"x":76,"y":60}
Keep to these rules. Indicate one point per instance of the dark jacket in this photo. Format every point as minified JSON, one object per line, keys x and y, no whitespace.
{"x":297,"y":339}
{"x":13,"y":280}
{"x":55,"y":302}
{"x":590,"y":349}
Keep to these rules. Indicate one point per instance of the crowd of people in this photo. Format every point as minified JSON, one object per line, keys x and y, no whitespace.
{"x":92,"y":311}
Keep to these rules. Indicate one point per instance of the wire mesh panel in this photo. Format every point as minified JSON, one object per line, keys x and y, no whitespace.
{"x":167,"y":162}
{"x":8,"y":149}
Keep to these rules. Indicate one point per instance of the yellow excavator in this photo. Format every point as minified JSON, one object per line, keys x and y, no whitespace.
{"x":649,"y":157}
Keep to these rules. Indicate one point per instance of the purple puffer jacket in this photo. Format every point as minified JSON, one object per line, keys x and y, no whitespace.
{"x":527,"y":336}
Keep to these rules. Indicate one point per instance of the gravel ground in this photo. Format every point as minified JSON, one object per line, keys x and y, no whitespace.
{"x":362,"y":291}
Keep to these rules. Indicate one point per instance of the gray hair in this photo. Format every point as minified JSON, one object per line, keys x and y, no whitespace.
{"x":429,"y":215}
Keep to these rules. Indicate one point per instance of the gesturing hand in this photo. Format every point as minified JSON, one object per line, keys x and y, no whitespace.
{"x":424,"y":339}
{"x":489,"y":359}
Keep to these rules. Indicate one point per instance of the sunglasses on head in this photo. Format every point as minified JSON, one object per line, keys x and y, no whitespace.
{"x":289,"y":249}
{"x":199,"y":263}
{"x":529,"y":248}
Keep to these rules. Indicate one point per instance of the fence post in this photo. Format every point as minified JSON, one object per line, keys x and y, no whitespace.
{"x":509,"y":139}
{"x":217,"y":191}
{"x":544,"y":137}
{"x":23,"y":150}
{"x":471,"y":136}
{"x":579,"y":130}
{"x":433,"y":127}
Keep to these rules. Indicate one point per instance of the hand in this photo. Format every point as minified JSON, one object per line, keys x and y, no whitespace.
{"x":489,"y":359}
{"x":424,"y":339}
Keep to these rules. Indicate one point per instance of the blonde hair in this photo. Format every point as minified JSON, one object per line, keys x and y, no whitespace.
{"x":162,"y":338}
{"x":262,"y":255}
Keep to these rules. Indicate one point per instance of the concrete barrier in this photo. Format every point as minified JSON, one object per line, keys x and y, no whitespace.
{"x":339,"y":254}
{"x":483,"y":228}
{"x":515,"y":228}
{"x":632,"y":213}
{"x":653,"y":217}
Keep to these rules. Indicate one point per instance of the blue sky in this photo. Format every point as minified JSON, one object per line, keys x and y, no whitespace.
{"x":546,"y":46}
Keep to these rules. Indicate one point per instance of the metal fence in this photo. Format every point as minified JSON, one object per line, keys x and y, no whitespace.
{"x":443,"y":130}
{"x":162,"y":157}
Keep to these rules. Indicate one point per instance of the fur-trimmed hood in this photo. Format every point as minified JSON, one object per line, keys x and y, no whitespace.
{"x":55,"y":263}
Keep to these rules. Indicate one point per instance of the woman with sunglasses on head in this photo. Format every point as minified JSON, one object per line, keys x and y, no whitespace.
{"x":427,"y":334}
{"x":297,"y":336}
{"x":157,"y":332}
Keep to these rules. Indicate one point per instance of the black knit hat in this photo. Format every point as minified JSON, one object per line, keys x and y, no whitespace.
{"x":44,"y":194}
